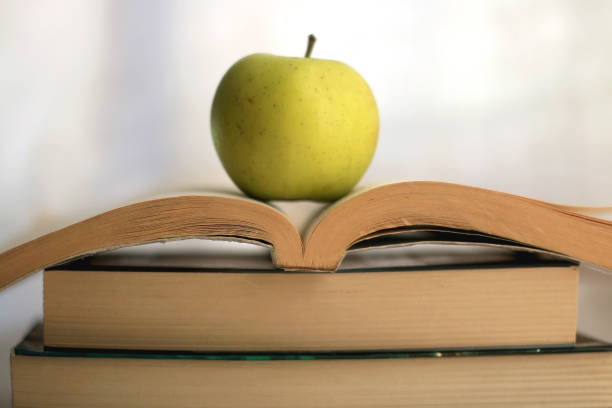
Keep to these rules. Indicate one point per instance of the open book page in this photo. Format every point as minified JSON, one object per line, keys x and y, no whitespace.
{"x":173,"y":217}
{"x":409,"y":206}
{"x":45,"y":223}
{"x":364,"y":218}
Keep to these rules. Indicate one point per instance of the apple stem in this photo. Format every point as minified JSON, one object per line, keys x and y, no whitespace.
{"x":311,"y":42}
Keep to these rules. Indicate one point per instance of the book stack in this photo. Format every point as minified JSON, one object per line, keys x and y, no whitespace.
{"x":493,"y":327}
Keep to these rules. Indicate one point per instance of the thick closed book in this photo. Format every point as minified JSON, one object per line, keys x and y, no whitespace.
{"x":101,"y":302}
{"x":572,"y":377}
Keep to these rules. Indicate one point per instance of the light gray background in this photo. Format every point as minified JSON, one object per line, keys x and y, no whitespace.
{"x":102,"y":102}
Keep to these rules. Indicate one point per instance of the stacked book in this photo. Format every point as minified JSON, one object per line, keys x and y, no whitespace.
{"x":491,"y":327}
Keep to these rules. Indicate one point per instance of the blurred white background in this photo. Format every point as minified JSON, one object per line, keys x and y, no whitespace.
{"x":102,"y":102}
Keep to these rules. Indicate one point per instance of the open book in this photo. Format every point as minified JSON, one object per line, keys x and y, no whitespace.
{"x":395,"y":214}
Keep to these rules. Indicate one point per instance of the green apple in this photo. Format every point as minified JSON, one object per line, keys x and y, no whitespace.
{"x":290,"y":128}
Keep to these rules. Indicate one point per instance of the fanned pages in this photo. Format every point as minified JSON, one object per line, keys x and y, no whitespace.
{"x":172,"y":218}
{"x":494,"y":216}
{"x":424,"y":205}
